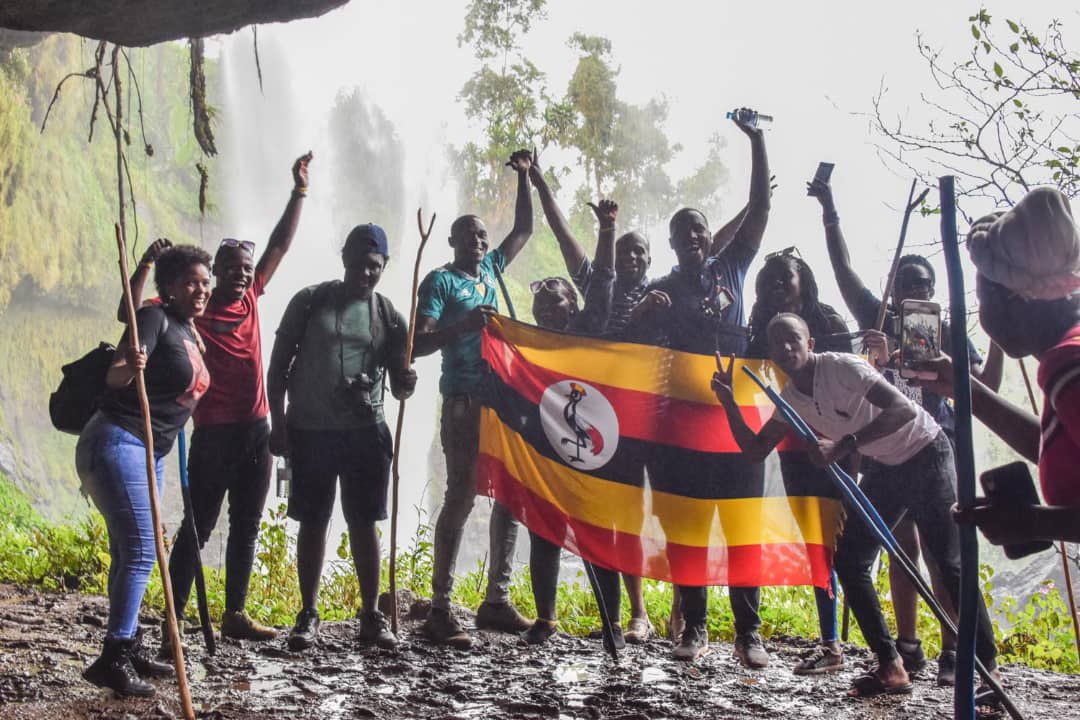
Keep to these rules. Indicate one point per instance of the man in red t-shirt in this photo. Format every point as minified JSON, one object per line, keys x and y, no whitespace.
{"x":1028,"y":287}
{"x":230,"y":445}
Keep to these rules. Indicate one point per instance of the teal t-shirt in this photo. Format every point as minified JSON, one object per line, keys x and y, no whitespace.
{"x":334,"y":340}
{"x":447,"y":295}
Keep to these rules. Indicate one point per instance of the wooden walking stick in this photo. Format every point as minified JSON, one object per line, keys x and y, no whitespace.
{"x":151,"y":478}
{"x":1069,"y":594}
{"x":899,"y":252}
{"x":424,"y":235}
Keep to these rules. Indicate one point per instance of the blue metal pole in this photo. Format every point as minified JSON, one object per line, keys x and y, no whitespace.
{"x":964,"y":698}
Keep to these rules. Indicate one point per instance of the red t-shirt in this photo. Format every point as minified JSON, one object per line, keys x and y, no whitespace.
{"x":234,"y":358}
{"x":1059,"y":454}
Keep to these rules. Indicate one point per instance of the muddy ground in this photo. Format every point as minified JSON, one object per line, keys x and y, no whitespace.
{"x":46,"y":639}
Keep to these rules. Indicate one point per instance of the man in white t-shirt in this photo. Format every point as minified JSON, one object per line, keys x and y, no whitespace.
{"x":854,"y":409}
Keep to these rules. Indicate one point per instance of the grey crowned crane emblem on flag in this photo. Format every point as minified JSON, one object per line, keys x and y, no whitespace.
{"x":580,"y":424}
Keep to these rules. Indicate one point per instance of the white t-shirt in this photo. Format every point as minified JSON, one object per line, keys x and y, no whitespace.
{"x":839,"y":407}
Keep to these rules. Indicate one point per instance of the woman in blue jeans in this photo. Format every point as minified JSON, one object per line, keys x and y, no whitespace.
{"x":111,"y":453}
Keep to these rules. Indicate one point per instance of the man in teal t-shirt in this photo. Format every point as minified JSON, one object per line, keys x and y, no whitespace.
{"x":455,"y":303}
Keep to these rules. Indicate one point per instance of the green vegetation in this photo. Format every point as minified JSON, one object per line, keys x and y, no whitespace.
{"x":58,"y":278}
{"x":32,"y":551}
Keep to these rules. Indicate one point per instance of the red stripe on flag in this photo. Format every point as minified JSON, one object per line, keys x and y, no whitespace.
{"x":642,"y":415}
{"x":740,"y":566}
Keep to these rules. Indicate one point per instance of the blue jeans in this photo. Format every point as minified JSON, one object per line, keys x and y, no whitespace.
{"x":111,"y":463}
{"x":826,"y":610}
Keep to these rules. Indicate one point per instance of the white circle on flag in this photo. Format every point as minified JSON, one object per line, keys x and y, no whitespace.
{"x":580,"y":424}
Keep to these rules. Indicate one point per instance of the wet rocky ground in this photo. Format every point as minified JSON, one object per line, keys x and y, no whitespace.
{"x":46,"y":639}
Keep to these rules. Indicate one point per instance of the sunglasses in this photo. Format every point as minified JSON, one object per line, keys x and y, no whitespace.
{"x":551,"y":284}
{"x":786,"y":252}
{"x":245,"y":245}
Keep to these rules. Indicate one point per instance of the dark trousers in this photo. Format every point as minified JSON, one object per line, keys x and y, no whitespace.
{"x":923,"y":486}
{"x":231,"y":460}
{"x":744,"y":606}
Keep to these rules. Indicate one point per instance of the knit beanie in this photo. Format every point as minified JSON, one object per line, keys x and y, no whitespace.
{"x":1033,"y":249}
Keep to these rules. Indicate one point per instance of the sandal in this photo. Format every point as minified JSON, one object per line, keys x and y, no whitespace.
{"x":988,"y":704}
{"x":869,"y":685}
{"x":638,"y":630}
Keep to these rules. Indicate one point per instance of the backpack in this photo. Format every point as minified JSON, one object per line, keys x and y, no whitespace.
{"x":76,"y":398}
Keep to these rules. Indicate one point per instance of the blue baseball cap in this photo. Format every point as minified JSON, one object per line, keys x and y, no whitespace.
{"x":368,"y":237}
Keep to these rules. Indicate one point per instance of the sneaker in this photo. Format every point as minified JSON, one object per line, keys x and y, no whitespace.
{"x":911,"y":653}
{"x":693,"y":643}
{"x":442,"y":628}
{"x":823,"y":659}
{"x":502,"y":617}
{"x":113,"y":670}
{"x":946,"y":668}
{"x":539,"y":632}
{"x":750,"y":651}
{"x":375,"y":629}
{"x":638,"y":630}
{"x":237,"y":625}
{"x":306,"y":630}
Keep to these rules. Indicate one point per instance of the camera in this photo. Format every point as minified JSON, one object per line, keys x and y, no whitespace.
{"x":354,"y":394}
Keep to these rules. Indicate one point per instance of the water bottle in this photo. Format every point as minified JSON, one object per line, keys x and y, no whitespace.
{"x":749,"y":117}
{"x":284,"y":478}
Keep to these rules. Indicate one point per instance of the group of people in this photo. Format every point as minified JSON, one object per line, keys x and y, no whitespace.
{"x":341,"y":343}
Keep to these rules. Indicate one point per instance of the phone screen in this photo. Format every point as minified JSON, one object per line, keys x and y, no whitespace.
{"x":920,"y":335}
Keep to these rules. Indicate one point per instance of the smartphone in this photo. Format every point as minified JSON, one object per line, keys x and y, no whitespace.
{"x":724,"y":300}
{"x":920,"y":337}
{"x":1011,"y":485}
{"x":824,"y":171}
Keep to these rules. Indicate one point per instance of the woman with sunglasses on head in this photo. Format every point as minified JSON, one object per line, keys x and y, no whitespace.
{"x":230,"y":451}
{"x":915,"y":280}
{"x":786,"y":284}
{"x":555,"y":307}
{"x":111,"y":454}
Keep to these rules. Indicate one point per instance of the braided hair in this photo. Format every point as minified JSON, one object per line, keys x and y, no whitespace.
{"x":822,"y":319}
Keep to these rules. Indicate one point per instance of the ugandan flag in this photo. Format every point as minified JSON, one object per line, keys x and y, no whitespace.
{"x":570,"y":424}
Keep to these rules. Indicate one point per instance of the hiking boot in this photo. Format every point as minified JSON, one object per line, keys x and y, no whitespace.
{"x":375,"y":630}
{"x":442,"y":628}
{"x":911,"y":653}
{"x":638,"y":630}
{"x":237,"y":625}
{"x":750,"y":651}
{"x":693,"y":643}
{"x":144,"y":662}
{"x":946,"y":668}
{"x":502,"y":617}
{"x":165,"y":651}
{"x":620,"y":639}
{"x":113,"y":670}
{"x":539,"y":632}
{"x":825,"y":658}
{"x":306,"y":630}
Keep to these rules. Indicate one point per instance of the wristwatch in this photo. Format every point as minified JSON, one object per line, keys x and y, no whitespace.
{"x":849,"y":442}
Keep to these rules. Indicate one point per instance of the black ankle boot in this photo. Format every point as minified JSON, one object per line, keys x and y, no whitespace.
{"x":113,"y":670}
{"x":144,"y":662}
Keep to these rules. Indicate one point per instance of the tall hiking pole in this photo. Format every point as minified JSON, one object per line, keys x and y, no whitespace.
{"x":887,"y":295}
{"x":964,"y":697}
{"x":879,"y":323}
{"x":424,"y":235}
{"x":155,"y":513}
{"x":1069,"y":594}
{"x":200,"y":579}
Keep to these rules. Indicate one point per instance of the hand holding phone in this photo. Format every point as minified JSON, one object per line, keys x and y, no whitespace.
{"x":1012,"y":486}
{"x":920,"y":337}
{"x":821,"y":176}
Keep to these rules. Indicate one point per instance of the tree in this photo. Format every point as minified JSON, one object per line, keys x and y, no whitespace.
{"x":639,"y":151}
{"x":591,"y":96}
{"x":701,"y":189}
{"x":368,"y":165}
{"x":1006,"y":119}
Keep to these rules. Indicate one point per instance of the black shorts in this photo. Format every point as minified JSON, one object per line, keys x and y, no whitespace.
{"x":361,"y":458}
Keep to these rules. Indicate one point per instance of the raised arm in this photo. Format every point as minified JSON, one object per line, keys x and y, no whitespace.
{"x":141,"y":275}
{"x":747,"y":238}
{"x":755,"y":446}
{"x":852,"y":288}
{"x":723,"y":237}
{"x":990,"y":372}
{"x":520,"y":162}
{"x":572,"y":251}
{"x":282,"y":236}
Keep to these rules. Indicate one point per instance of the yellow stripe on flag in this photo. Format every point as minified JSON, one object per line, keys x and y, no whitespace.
{"x":683,"y":520}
